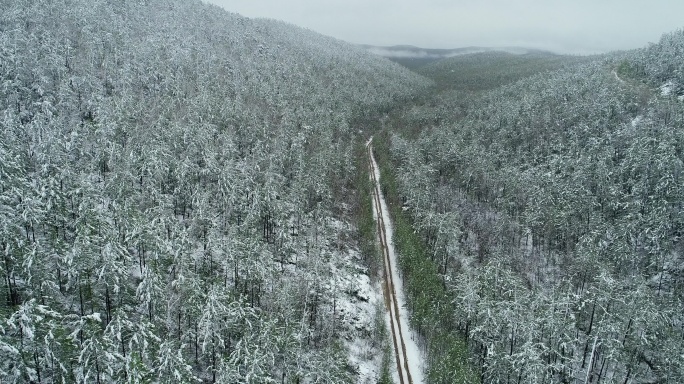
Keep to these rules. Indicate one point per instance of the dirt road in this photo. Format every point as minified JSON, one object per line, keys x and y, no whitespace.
{"x":408,"y":357}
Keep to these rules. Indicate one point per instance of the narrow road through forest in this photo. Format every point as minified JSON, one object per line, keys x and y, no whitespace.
{"x":409,"y":362}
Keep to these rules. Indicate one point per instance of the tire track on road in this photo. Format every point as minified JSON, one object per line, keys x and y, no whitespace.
{"x":391,"y":302}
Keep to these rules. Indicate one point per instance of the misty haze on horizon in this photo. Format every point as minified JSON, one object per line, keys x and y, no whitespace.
{"x":571,"y":27}
{"x":413,"y":52}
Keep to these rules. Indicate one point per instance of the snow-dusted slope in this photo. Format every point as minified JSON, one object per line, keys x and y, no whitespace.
{"x":170,"y":174}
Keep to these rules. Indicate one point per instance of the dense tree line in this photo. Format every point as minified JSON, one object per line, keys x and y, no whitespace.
{"x":489,"y":70}
{"x":552,"y":207}
{"x":170,"y":178}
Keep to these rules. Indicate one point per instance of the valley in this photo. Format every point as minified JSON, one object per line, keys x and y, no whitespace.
{"x":189,"y":195}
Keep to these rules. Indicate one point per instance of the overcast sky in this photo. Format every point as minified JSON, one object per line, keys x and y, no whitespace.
{"x":568,"y":26}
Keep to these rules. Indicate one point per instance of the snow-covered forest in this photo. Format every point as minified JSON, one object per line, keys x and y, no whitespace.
{"x":173,"y":184}
{"x":184,"y":197}
{"x":551,"y":208}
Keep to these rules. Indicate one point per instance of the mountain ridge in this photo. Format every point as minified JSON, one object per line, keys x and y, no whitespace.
{"x":411,"y":51}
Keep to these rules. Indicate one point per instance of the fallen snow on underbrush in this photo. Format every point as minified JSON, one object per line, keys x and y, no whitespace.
{"x":355,"y":311}
{"x":669,"y":88}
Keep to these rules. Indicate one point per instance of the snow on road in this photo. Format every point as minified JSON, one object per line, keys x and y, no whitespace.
{"x":410,"y":362}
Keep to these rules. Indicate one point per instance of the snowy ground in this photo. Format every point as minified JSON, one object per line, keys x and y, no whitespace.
{"x":356,"y":309}
{"x":668,"y":88}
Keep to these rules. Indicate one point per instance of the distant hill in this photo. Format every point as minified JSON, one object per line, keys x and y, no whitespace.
{"x":415,"y":57}
{"x":488,"y":70}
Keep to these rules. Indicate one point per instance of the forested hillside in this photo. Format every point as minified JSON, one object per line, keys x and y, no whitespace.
{"x":178,"y":184}
{"x":487,"y":70}
{"x":173,"y":184}
{"x":551,"y":208}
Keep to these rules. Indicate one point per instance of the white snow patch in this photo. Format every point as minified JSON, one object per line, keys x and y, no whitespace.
{"x":355,"y":301}
{"x":355,"y":310}
{"x":95,"y":316}
{"x":618,"y":77}
{"x":637,"y":120}
{"x":667,"y":88}
{"x":364,"y":355}
{"x":135,"y":271}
